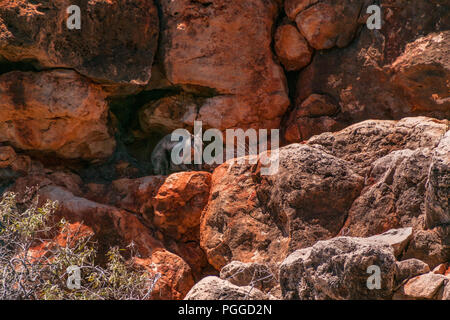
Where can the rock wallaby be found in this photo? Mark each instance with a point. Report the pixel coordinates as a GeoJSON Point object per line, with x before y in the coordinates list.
{"type": "Point", "coordinates": [161, 156]}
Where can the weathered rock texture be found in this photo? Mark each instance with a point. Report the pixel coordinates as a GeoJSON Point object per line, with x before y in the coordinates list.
{"type": "Point", "coordinates": [400, 70]}
{"type": "Point", "coordinates": [327, 23]}
{"type": "Point", "coordinates": [291, 47]}
{"type": "Point", "coordinates": [179, 204]}
{"type": "Point", "coordinates": [410, 268]}
{"type": "Point", "coordinates": [437, 206]}
{"type": "Point", "coordinates": [366, 114]}
{"type": "Point", "coordinates": [56, 112]}
{"type": "Point", "coordinates": [207, 44]}
{"type": "Point", "coordinates": [425, 286]}
{"type": "Point", "coordinates": [337, 269]}
{"type": "Point", "coordinates": [364, 143]}
{"type": "Point", "coordinates": [261, 276]}
{"type": "Point", "coordinates": [281, 213]}
{"type": "Point", "coordinates": [213, 288]}
{"type": "Point", "coordinates": [116, 43]}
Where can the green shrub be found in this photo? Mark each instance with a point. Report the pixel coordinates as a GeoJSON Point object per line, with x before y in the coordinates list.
{"type": "Point", "coordinates": [25, 225]}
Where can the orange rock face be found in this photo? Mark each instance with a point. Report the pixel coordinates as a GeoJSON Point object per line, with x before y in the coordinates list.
{"type": "Point", "coordinates": [7, 156]}
{"type": "Point", "coordinates": [208, 46]}
{"type": "Point", "coordinates": [71, 122]}
{"type": "Point", "coordinates": [176, 277]}
{"type": "Point", "coordinates": [171, 206]}
{"type": "Point", "coordinates": [292, 48]}
{"type": "Point", "coordinates": [326, 24]}
{"type": "Point", "coordinates": [391, 73]}
{"type": "Point", "coordinates": [116, 42]}
{"type": "Point", "coordinates": [117, 227]}
{"type": "Point", "coordinates": [180, 202]}
{"type": "Point", "coordinates": [311, 117]}
{"type": "Point", "coordinates": [82, 110]}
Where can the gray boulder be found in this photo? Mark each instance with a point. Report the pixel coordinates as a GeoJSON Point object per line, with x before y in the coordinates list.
{"type": "Point", "coordinates": [338, 269]}
{"type": "Point", "coordinates": [437, 208]}
{"type": "Point", "coordinates": [410, 268]}
{"type": "Point", "coordinates": [214, 288]}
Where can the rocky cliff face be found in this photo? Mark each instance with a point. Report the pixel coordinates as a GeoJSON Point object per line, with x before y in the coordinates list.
{"type": "Point", "coordinates": [364, 167]}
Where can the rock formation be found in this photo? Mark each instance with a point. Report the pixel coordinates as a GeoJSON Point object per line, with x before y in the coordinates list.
{"type": "Point", "coordinates": [363, 176]}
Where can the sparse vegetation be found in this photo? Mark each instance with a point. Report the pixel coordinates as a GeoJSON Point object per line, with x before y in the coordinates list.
{"type": "Point", "coordinates": [35, 254]}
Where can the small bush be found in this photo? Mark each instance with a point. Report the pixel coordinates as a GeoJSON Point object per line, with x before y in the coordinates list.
{"type": "Point", "coordinates": [47, 272]}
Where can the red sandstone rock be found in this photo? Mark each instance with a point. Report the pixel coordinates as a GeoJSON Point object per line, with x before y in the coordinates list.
{"type": "Point", "coordinates": [252, 218]}
{"type": "Point", "coordinates": [422, 73]}
{"type": "Point", "coordinates": [317, 105]}
{"type": "Point", "coordinates": [7, 156]}
{"type": "Point", "coordinates": [176, 277]}
{"type": "Point", "coordinates": [69, 236]}
{"type": "Point", "coordinates": [294, 7]}
{"type": "Point", "coordinates": [328, 23]}
{"type": "Point", "coordinates": [43, 178]}
{"type": "Point", "coordinates": [169, 113]}
{"type": "Point", "coordinates": [291, 47]}
{"type": "Point", "coordinates": [392, 73]}
{"type": "Point", "coordinates": [303, 128]}
{"type": "Point", "coordinates": [311, 117]}
{"type": "Point", "coordinates": [56, 112]}
{"type": "Point", "coordinates": [179, 204]}
{"type": "Point", "coordinates": [136, 195]}
{"type": "Point", "coordinates": [207, 44]}
{"type": "Point", "coordinates": [171, 205]}
{"type": "Point", "coordinates": [116, 43]}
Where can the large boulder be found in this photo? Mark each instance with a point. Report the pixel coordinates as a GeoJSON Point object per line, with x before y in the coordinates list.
{"type": "Point", "coordinates": [116, 43]}
{"type": "Point", "coordinates": [113, 226]}
{"type": "Point", "coordinates": [392, 73]}
{"type": "Point", "coordinates": [410, 268]}
{"type": "Point", "coordinates": [393, 196]}
{"type": "Point", "coordinates": [327, 23]}
{"type": "Point", "coordinates": [437, 197]}
{"type": "Point", "coordinates": [176, 276]}
{"type": "Point", "coordinates": [431, 246]}
{"type": "Point", "coordinates": [401, 189]}
{"type": "Point", "coordinates": [338, 269]}
{"type": "Point", "coordinates": [55, 112]}
{"type": "Point", "coordinates": [171, 206]}
{"type": "Point", "coordinates": [281, 212]}
{"type": "Point", "coordinates": [363, 143]}
{"type": "Point", "coordinates": [214, 288]}
{"type": "Point", "coordinates": [425, 286]}
{"type": "Point", "coordinates": [208, 46]}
